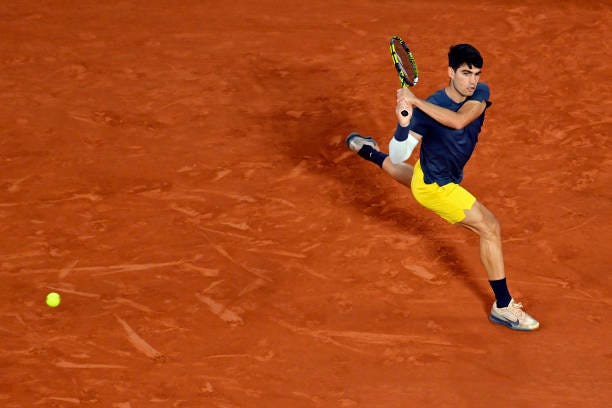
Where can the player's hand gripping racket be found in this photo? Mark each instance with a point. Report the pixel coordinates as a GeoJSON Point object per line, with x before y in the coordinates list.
{"type": "Point", "coordinates": [404, 64]}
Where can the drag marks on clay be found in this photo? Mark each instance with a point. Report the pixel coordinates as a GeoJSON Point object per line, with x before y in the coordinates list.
{"type": "Point", "coordinates": [65, 271]}
{"type": "Point", "coordinates": [105, 270]}
{"type": "Point", "coordinates": [421, 272]}
{"type": "Point", "coordinates": [15, 186]}
{"type": "Point", "coordinates": [278, 252]}
{"type": "Point", "coordinates": [206, 272]}
{"type": "Point", "coordinates": [212, 287]}
{"type": "Point", "coordinates": [68, 364]}
{"type": "Point", "coordinates": [361, 342]}
{"type": "Point", "coordinates": [580, 225]}
{"type": "Point", "coordinates": [265, 358]}
{"type": "Point", "coordinates": [251, 287]}
{"type": "Point", "coordinates": [309, 247]}
{"type": "Point", "coordinates": [572, 290]}
{"type": "Point", "coordinates": [242, 226]}
{"type": "Point", "coordinates": [138, 342]}
{"type": "Point", "coordinates": [234, 196]}
{"type": "Point", "coordinates": [381, 338]}
{"type": "Point", "coordinates": [225, 233]}
{"type": "Point", "coordinates": [219, 310]}
{"type": "Point", "coordinates": [313, 333]}
{"type": "Point", "coordinates": [188, 211]}
{"type": "Point", "coordinates": [69, 400]}
{"type": "Point", "coordinates": [21, 255]}
{"type": "Point", "coordinates": [114, 269]}
{"type": "Point", "coordinates": [555, 281]}
{"type": "Point", "coordinates": [282, 201]}
{"type": "Point", "coordinates": [221, 251]}
{"type": "Point", "coordinates": [204, 197]}
{"type": "Point", "coordinates": [296, 172]}
{"type": "Point", "coordinates": [73, 292]}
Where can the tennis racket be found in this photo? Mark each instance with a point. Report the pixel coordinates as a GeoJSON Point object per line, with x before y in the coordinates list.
{"type": "Point", "coordinates": [404, 64]}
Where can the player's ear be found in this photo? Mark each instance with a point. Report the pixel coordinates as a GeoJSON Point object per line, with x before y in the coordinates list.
{"type": "Point", "coordinates": [451, 72]}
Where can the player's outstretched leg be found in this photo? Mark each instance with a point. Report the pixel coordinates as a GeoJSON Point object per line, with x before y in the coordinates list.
{"type": "Point", "coordinates": [505, 310]}
{"type": "Point", "coordinates": [367, 148]}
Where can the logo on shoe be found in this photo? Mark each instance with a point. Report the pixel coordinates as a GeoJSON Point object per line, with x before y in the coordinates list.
{"type": "Point", "coordinates": [513, 322]}
{"type": "Point", "coordinates": [505, 319]}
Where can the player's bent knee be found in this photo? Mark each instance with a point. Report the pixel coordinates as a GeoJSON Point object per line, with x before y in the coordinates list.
{"type": "Point", "coordinates": [492, 223]}
{"type": "Point", "coordinates": [492, 229]}
{"type": "Point", "coordinates": [496, 226]}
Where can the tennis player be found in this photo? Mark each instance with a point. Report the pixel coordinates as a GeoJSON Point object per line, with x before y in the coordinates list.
{"type": "Point", "coordinates": [448, 124]}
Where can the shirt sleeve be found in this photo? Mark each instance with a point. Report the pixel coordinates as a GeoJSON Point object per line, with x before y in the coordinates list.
{"type": "Point", "coordinates": [418, 122]}
{"type": "Point", "coordinates": [482, 93]}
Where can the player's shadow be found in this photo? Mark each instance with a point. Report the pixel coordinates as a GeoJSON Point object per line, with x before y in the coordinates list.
{"type": "Point", "coordinates": [321, 148]}
{"type": "Point", "coordinates": [447, 254]}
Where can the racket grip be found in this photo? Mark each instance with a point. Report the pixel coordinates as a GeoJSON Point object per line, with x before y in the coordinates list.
{"type": "Point", "coordinates": [404, 113]}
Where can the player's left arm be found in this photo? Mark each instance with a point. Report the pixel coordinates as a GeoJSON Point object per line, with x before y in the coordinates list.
{"type": "Point", "coordinates": [455, 120]}
{"type": "Point", "coordinates": [470, 110]}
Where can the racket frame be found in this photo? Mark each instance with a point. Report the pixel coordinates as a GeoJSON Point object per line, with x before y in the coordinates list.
{"type": "Point", "coordinates": [401, 70]}
{"type": "Point", "coordinates": [399, 66]}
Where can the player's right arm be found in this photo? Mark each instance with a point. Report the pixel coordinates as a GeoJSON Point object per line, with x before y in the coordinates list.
{"type": "Point", "coordinates": [404, 140]}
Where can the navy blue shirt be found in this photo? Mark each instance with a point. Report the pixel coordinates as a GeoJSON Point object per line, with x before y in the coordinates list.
{"type": "Point", "coordinates": [445, 151]}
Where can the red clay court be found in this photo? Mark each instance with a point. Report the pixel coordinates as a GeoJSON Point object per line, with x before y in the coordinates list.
{"type": "Point", "coordinates": [177, 172]}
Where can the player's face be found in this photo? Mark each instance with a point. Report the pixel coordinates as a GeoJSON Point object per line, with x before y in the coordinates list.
{"type": "Point", "coordinates": [464, 79]}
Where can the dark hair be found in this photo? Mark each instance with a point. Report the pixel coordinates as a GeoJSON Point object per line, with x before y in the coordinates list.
{"type": "Point", "coordinates": [460, 54]}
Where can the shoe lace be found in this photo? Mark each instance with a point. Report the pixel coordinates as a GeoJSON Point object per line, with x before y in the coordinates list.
{"type": "Point", "coordinates": [517, 309]}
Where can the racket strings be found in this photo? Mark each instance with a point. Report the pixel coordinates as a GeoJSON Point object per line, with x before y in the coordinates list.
{"type": "Point", "coordinates": [405, 62]}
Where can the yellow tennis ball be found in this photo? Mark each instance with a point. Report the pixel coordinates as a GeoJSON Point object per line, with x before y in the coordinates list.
{"type": "Point", "coordinates": [53, 299]}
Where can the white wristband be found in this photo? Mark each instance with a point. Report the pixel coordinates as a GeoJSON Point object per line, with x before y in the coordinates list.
{"type": "Point", "coordinates": [401, 151]}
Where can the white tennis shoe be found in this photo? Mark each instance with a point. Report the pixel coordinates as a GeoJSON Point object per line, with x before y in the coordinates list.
{"type": "Point", "coordinates": [513, 317]}
{"type": "Point", "coordinates": [355, 142]}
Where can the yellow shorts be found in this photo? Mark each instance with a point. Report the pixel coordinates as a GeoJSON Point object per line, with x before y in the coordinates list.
{"type": "Point", "coordinates": [449, 201]}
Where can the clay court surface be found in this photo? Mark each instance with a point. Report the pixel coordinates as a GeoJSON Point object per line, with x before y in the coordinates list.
{"type": "Point", "coordinates": [177, 172]}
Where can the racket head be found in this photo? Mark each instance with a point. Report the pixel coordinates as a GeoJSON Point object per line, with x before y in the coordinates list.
{"type": "Point", "coordinates": [404, 62]}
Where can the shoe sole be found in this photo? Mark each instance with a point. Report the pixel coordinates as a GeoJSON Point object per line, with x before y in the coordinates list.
{"type": "Point", "coordinates": [354, 135]}
{"type": "Point", "coordinates": [509, 325]}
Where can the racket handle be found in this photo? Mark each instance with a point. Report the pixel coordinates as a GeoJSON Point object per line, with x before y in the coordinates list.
{"type": "Point", "coordinates": [404, 113]}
